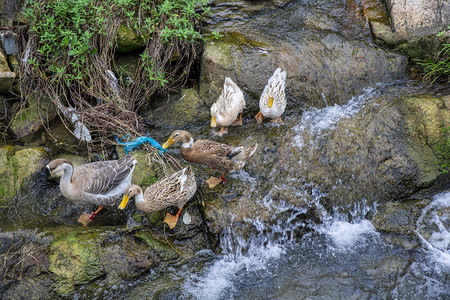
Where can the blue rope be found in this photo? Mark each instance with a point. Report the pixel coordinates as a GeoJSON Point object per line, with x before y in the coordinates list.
{"type": "Point", "coordinates": [137, 142]}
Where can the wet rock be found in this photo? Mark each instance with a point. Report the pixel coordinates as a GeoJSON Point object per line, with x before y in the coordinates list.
{"type": "Point", "coordinates": [122, 256]}
{"type": "Point", "coordinates": [165, 252]}
{"type": "Point", "coordinates": [37, 288]}
{"type": "Point", "coordinates": [29, 120]}
{"type": "Point", "coordinates": [23, 255]}
{"type": "Point", "coordinates": [323, 66]}
{"type": "Point", "coordinates": [74, 260]}
{"type": "Point", "coordinates": [15, 167]}
{"type": "Point", "coordinates": [180, 111]}
{"type": "Point", "coordinates": [385, 152]}
{"type": "Point", "coordinates": [399, 217]}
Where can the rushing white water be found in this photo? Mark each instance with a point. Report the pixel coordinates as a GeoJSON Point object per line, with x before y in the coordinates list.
{"type": "Point", "coordinates": [437, 242]}
{"type": "Point", "coordinates": [343, 257]}
{"type": "Point", "coordinates": [314, 120]}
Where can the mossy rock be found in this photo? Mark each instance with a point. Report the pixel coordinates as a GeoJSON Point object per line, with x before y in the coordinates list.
{"type": "Point", "coordinates": [165, 252]}
{"type": "Point", "coordinates": [74, 260]}
{"type": "Point", "coordinates": [125, 257]}
{"type": "Point", "coordinates": [29, 120]}
{"type": "Point", "coordinates": [6, 76]}
{"type": "Point", "coordinates": [128, 39]}
{"type": "Point", "coordinates": [15, 166]}
{"type": "Point", "coordinates": [399, 217]}
{"type": "Point", "coordinates": [180, 111]}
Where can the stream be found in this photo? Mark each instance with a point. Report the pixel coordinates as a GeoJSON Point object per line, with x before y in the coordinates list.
{"type": "Point", "coordinates": [341, 257]}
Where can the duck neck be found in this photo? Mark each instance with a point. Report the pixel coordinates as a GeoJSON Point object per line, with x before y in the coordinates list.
{"type": "Point", "coordinates": [66, 177]}
{"type": "Point", "coordinates": [188, 144]}
{"type": "Point", "coordinates": [65, 183]}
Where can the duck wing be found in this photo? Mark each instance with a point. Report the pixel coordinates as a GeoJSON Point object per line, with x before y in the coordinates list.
{"type": "Point", "coordinates": [104, 176]}
{"type": "Point", "coordinates": [212, 148]}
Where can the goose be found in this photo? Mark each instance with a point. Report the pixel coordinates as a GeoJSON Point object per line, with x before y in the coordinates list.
{"type": "Point", "coordinates": [99, 183]}
{"type": "Point", "coordinates": [215, 155]}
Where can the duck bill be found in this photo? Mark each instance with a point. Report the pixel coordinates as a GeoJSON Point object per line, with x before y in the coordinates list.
{"type": "Point", "coordinates": [124, 202]}
{"type": "Point", "coordinates": [213, 121]}
{"type": "Point", "coordinates": [270, 103]}
{"type": "Point", "coordinates": [167, 144]}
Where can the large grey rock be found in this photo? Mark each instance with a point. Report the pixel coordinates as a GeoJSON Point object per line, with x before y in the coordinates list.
{"type": "Point", "coordinates": [418, 18]}
{"type": "Point", "coordinates": [324, 63]}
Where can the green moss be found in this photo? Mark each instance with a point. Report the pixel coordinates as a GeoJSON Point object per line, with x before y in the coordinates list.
{"type": "Point", "coordinates": [164, 250]}
{"type": "Point", "coordinates": [74, 261]}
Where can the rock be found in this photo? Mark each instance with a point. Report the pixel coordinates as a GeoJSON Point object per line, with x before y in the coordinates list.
{"type": "Point", "coordinates": [250, 51]}
{"type": "Point", "coordinates": [6, 76]}
{"type": "Point", "coordinates": [30, 288]}
{"type": "Point", "coordinates": [380, 154]}
{"type": "Point", "coordinates": [30, 119]}
{"type": "Point", "coordinates": [74, 260]}
{"type": "Point", "coordinates": [10, 12]}
{"type": "Point", "coordinates": [165, 252]}
{"type": "Point", "coordinates": [125, 258]}
{"type": "Point", "coordinates": [128, 39]}
{"type": "Point", "coordinates": [399, 217]}
{"type": "Point", "coordinates": [15, 166]}
{"type": "Point", "coordinates": [180, 111]}
{"type": "Point", "coordinates": [414, 26]}
{"type": "Point", "coordinates": [418, 18]}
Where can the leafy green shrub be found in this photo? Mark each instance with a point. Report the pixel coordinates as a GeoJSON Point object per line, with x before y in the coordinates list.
{"type": "Point", "coordinates": [70, 55]}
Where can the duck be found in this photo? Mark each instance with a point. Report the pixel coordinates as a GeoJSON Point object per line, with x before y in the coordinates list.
{"type": "Point", "coordinates": [213, 154]}
{"type": "Point", "coordinates": [100, 183]}
{"type": "Point", "coordinates": [225, 111]}
{"type": "Point", "coordinates": [273, 99]}
{"type": "Point", "coordinates": [171, 190]}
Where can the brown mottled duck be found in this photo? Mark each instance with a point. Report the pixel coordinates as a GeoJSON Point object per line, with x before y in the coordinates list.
{"type": "Point", "coordinates": [215, 155]}
{"type": "Point", "coordinates": [171, 190]}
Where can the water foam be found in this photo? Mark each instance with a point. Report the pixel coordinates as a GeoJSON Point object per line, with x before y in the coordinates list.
{"type": "Point", "coordinates": [345, 235]}
{"type": "Point", "coordinates": [317, 120]}
{"type": "Point", "coordinates": [434, 217]}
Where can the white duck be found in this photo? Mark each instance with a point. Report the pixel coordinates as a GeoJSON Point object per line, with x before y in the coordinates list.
{"type": "Point", "coordinates": [273, 99]}
{"type": "Point", "coordinates": [100, 183]}
{"type": "Point", "coordinates": [225, 111]}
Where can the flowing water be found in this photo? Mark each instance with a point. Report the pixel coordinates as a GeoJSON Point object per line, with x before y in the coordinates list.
{"type": "Point", "coordinates": [341, 257]}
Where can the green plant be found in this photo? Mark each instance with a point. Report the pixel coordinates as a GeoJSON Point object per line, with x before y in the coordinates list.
{"type": "Point", "coordinates": [442, 151]}
{"type": "Point", "coordinates": [438, 68]}
{"type": "Point", "coordinates": [71, 46]}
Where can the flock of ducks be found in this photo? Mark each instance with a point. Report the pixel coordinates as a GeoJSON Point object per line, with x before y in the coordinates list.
{"type": "Point", "coordinates": [102, 183]}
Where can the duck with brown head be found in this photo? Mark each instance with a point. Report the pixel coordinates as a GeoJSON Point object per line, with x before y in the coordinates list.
{"type": "Point", "coordinates": [215, 155]}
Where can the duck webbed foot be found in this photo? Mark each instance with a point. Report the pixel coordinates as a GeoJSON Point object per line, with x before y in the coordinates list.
{"type": "Point", "coordinates": [221, 132]}
{"type": "Point", "coordinates": [259, 118]}
{"type": "Point", "coordinates": [172, 220]}
{"type": "Point", "coordinates": [85, 219]}
{"type": "Point", "coordinates": [213, 181]}
{"type": "Point", "coordinates": [238, 121]}
{"type": "Point", "coordinates": [277, 120]}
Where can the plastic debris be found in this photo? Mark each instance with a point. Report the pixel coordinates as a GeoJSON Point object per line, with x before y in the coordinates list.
{"type": "Point", "coordinates": [187, 218]}
{"type": "Point", "coordinates": [137, 142]}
